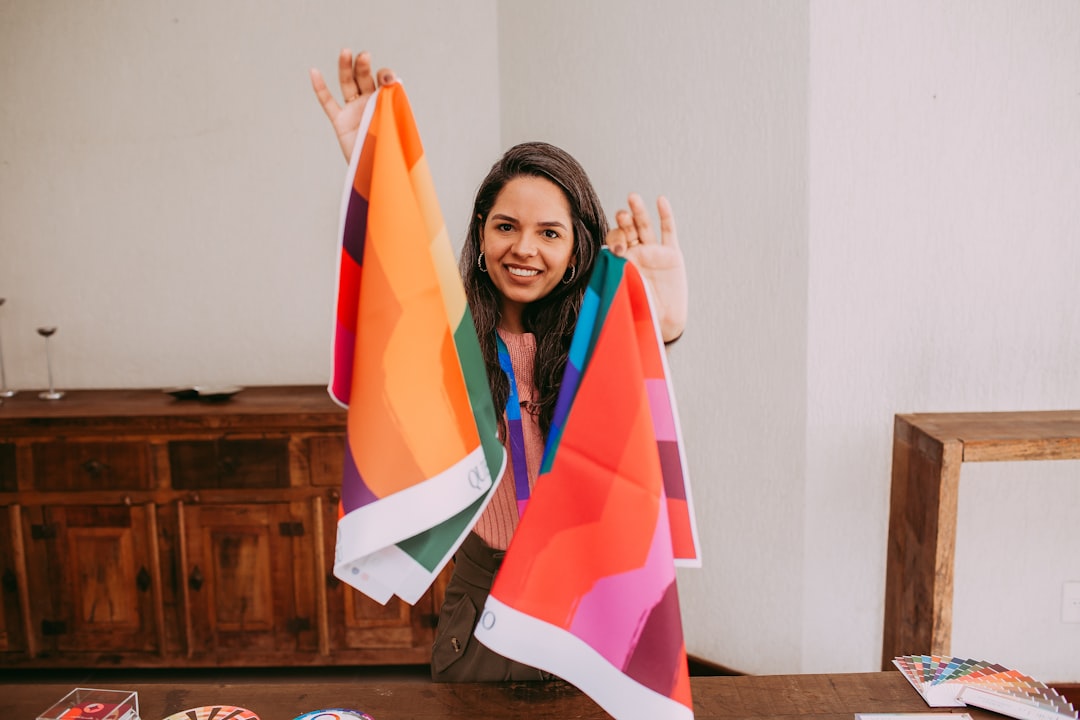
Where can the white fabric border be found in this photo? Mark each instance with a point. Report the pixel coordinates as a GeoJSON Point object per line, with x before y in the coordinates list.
{"type": "Point", "coordinates": [365, 556]}
{"type": "Point", "coordinates": [528, 640]}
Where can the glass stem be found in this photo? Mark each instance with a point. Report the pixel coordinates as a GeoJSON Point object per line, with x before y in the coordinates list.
{"type": "Point", "coordinates": [48, 364]}
{"type": "Point", "coordinates": [3, 377]}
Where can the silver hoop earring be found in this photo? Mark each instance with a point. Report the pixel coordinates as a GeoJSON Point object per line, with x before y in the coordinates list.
{"type": "Point", "coordinates": [480, 263]}
{"type": "Point", "coordinates": [573, 272]}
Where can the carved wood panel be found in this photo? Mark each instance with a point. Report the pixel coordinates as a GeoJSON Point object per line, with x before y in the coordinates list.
{"type": "Point", "coordinates": [249, 577]}
{"type": "Point", "coordinates": [90, 578]}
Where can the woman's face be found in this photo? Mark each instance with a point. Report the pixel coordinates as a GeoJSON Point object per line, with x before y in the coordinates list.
{"type": "Point", "coordinates": [528, 243]}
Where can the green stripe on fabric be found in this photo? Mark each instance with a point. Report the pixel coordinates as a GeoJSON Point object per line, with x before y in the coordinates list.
{"type": "Point", "coordinates": [476, 382]}
{"type": "Point", "coordinates": [429, 548]}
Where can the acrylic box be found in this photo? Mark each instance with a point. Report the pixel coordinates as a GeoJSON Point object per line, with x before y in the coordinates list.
{"type": "Point", "coordinates": [94, 704]}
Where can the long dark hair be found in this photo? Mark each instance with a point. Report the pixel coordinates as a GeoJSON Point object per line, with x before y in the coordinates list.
{"type": "Point", "coordinates": [552, 318]}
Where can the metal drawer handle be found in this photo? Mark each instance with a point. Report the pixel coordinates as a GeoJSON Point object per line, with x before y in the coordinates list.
{"type": "Point", "coordinates": [195, 580]}
{"type": "Point", "coordinates": [142, 580]}
{"type": "Point", "coordinates": [94, 467]}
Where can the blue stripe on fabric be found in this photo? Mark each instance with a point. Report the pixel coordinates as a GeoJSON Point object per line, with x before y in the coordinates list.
{"type": "Point", "coordinates": [579, 345]}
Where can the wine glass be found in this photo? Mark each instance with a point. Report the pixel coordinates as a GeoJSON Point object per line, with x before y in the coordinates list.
{"type": "Point", "coordinates": [5, 392]}
{"type": "Point", "coordinates": [51, 393]}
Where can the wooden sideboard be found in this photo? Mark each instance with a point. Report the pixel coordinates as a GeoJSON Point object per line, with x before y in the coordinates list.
{"type": "Point", "coordinates": [140, 530]}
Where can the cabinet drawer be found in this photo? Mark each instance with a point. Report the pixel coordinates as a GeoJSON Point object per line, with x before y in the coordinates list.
{"type": "Point", "coordinates": [91, 466]}
{"type": "Point", "coordinates": [8, 482]}
{"type": "Point", "coordinates": [326, 455]}
{"type": "Point", "coordinates": [229, 464]}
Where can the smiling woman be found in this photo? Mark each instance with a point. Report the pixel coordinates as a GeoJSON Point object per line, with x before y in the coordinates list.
{"type": "Point", "coordinates": [534, 235]}
{"type": "Point", "coordinates": [527, 246]}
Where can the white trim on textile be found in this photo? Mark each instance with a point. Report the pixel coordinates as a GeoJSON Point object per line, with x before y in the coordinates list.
{"type": "Point", "coordinates": [528, 640]}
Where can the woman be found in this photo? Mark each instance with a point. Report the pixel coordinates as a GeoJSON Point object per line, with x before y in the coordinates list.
{"type": "Point", "coordinates": [534, 235]}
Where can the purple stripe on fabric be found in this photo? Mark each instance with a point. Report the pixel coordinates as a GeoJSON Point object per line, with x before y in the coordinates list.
{"type": "Point", "coordinates": [659, 640]}
{"type": "Point", "coordinates": [355, 232]}
{"type": "Point", "coordinates": [354, 491]}
{"type": "Point", "coordinates": [672, 470]}
{"type": "Point", "coordinates": [344, 356]}
{"type": "Point", "coordinates": [660, 405]}
{"type": "Point", "coordinates": [521, 467]}
{"type": "Point", "coordinates": [571, 379]}
{"type": "Point", "coordinates": [660, 646]}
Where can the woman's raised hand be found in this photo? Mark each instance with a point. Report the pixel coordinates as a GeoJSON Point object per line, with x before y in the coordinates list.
{"type": "Point", "coordinates": [658, 258]}
{"type": "Point", "coordinates": [357, 86]}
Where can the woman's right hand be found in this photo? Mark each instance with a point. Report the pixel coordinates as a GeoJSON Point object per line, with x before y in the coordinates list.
{"type": "Point", "coordinates": [357, 86]}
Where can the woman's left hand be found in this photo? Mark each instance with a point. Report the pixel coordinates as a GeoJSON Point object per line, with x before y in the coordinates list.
{"type": "Point", "coordinates": [659, 259]}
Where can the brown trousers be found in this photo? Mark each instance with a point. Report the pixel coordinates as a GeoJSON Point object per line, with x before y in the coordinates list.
{"type": "Point", "coordinates": [457, 656]}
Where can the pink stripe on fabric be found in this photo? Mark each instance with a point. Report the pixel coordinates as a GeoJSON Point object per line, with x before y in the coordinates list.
{"type": "Point", "coordinates": [660, 404]}
{"type": "Point", "coordinates": [613, 612]}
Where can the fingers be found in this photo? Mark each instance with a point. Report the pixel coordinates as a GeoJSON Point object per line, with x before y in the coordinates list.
{"type": "Point", "coordinates": [616, 241]}
{"type": "Point", "coordinates": [356, 77]}
{"type": "Point", "coordinates": [624, 235]}
{"type": "Point", "coordinates": [625, 222]}
{"type": "Point", "coordinates": [366, 81]}
{"type": "Point", "coordinates": [347, 75]}
{"type": "Point", "coordinates": [363, 80]}
{"type": "Point", "coordinates": [633, 227]}
{"type": "Point", "coordinates": [326, 99]}
{"type": "Point", "coordinates": [642, 225]}
{"type": "Point", "coordinates": [668, 236]}
{"type": "Point", "coordinates": [386, 77]}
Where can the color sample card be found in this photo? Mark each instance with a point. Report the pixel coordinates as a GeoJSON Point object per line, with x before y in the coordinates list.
{"type": "Point", "coordinates": [956, 682]}
{"type": "Point", "coordinates": [912, 716]}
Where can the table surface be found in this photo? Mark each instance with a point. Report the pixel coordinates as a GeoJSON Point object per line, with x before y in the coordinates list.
{"type": "Point", "coordinates": [825, 697]}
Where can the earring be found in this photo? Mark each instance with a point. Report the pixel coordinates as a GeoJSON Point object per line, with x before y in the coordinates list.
{"type": "Point", "coordinates": [480, 263]}
{"type": "Point", "coordinates": [573, 272]}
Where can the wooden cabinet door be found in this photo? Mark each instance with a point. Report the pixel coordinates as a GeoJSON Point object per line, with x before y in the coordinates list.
{"type": "Point", "coordinates": [12, 628]}
{"type": "Point", "coordinates": [250, 582]}
{"type": "Point", "coordinates": [90, 571]}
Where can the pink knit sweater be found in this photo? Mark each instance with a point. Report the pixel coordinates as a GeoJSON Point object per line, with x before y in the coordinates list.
{"type": "Point", "coordinates": [499, 520]}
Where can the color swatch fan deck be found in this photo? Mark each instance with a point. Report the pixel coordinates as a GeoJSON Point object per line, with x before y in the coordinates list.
{"type": "Point", "coordinates": [956, 682]}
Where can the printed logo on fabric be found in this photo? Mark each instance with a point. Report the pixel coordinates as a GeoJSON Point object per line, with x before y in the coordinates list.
{"type": "Point", "coordinates": [479, 477]}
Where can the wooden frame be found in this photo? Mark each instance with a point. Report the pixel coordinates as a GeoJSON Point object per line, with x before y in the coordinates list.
{"type": "Point", "coordinates": [928, 450]}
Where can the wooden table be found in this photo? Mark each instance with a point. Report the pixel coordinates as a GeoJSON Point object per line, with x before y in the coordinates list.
{"type": "Point", "coordinates": [825, 697]}
{"type": "Point", "coordinates": [928, 450]}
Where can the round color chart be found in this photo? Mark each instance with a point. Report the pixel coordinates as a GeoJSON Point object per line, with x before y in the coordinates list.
{"type": "Point", "coordinates": [214, 712]}
{"type": "Point", "coordinates": [334, 714]}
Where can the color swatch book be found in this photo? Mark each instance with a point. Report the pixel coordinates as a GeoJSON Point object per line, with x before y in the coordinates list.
{"type": "Point", "coordinates": [955, 682]}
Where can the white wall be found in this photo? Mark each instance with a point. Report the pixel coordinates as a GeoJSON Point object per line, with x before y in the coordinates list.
{"type": "Point", "coordinates": [706, 103]}
{"type": "Point", "coordinates": [877, 203]}
{"type": "Point", "coordinates": [943, 272]}
{"type": "Point", "coordinates": [169, 186]}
